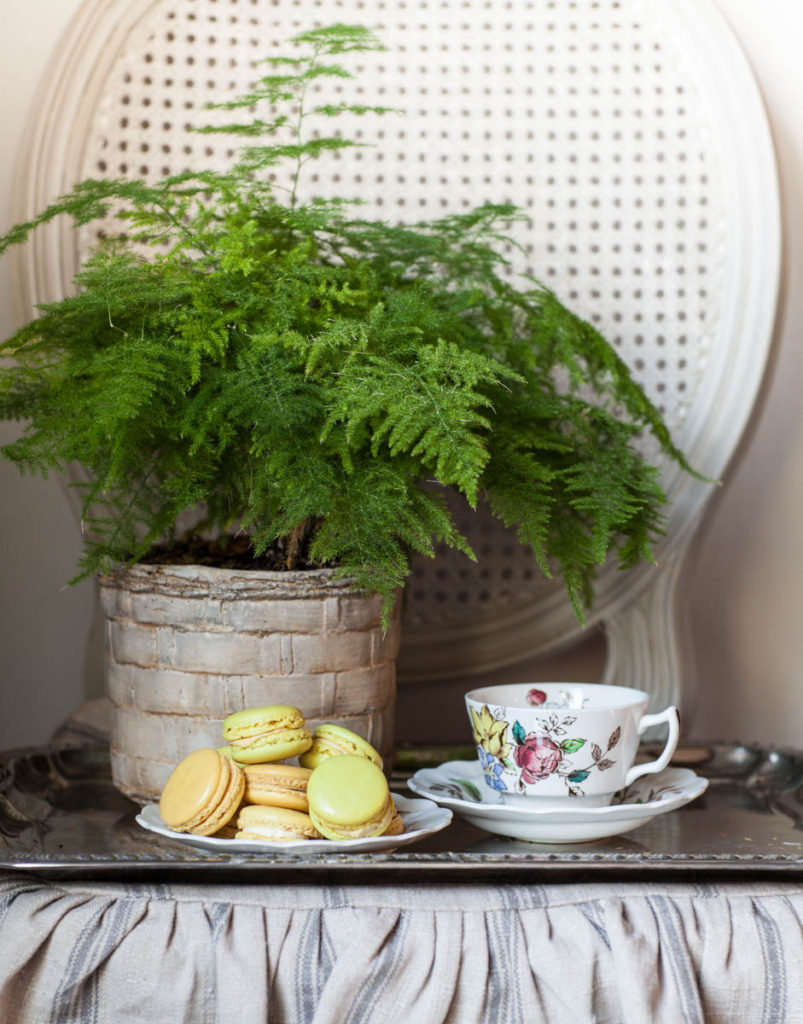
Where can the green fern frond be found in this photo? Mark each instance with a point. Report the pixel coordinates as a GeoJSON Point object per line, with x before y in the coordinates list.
{"type": "Point", "coordinates": [274, 364]}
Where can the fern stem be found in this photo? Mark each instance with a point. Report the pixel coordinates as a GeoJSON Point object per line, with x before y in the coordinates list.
{"type": "Point", "coordinates": [122, 517]}
{"type": "Point", "coordinates": [297, 542]}
{"type": "Point", "coordinates": [299, 123]}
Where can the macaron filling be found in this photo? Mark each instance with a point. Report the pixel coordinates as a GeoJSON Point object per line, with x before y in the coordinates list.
{"type": "Point", "coordinates": [328, 748]}
{"type": "Point", "coordinates": [274, 824]}
{"type": "Point", "coordinates": [271, 834]}
{"type": "Point", "coordinates": [262, 739]}
{"type": "Point", "coordinates": [245, 726]}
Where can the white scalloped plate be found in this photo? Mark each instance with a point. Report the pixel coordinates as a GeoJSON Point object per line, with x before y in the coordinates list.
{"type": "Point", "coordinates": [461, 786]}
{"type": "Point", "coordinates": [421, 818]}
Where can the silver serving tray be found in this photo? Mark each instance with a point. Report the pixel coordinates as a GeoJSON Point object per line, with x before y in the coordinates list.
{"type": "Point", "coordinates": [61, 817]}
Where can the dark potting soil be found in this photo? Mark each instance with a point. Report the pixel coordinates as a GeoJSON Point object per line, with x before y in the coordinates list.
{"type": "Point", "coordinates": [229, 553]}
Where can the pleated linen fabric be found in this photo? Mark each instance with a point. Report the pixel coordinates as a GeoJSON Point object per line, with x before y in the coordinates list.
{"type": "Point", "coordinates": [98, 953]}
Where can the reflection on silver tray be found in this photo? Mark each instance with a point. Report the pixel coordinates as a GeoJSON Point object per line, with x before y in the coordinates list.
{"type": "Point", "coordinates": [61, 817]}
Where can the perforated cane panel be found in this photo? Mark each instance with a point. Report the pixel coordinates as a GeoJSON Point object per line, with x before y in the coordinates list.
{"type": "Point", "coordinates": [584, 114]}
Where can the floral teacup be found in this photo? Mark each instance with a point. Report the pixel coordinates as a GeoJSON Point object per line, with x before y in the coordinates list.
{"type": "Point", "coordinates": [564, 741]}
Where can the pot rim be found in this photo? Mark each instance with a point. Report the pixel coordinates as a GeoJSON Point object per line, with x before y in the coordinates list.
{"type": "Point", "coordinates": [211, 581]}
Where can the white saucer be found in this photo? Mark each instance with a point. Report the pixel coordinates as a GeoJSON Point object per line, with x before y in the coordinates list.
{"type": "Point", "coordinates": [461, 786]}
{"type": "Point", "coordinates": [420, 818]}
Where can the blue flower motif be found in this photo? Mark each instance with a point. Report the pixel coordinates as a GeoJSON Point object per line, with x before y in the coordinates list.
{"type": "Point", "coordinates": [492, 769]}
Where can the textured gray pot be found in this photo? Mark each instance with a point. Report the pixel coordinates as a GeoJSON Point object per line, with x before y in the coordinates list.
{"type": "Point", "coordinates": [188, 645]}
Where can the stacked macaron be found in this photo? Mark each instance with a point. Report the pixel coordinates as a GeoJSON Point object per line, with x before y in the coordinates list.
{"type": "Point", "coordinates": [330, 740]}
{"type": "Point", "coordinates": [338, 790]}
{"type": "Point", "coordinates": [259, 735]}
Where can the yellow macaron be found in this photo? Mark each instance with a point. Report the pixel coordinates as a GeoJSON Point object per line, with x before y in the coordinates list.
{"type": "Point", "coordinates": [270, 733]}
{"type": "Point", "coordinates": [274, 824]}
{"type": "Point", "coordinates": [330, 740]}
{"type": "Point", "coordinates": [396, 826]}
{"type": "Point", "coordinates": [349, 798]}
{"type": "Point", "coordinates": [202, 793]}
{"type": "Point", "coordinates": [276, 785]}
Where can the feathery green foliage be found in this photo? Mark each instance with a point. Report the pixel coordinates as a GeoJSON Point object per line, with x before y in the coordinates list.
{"type": "Point", "coordinates": [293, 369]}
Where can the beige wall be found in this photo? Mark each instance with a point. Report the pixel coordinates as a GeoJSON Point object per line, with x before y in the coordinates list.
{"type": "Point", "coordinates": [743, 587]}
{"type": "Point", "coordinates": [745, 584]}
{"type": "Point", "coordinates": [43, 626]}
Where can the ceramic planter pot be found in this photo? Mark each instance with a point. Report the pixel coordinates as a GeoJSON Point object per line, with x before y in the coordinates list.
{"type": "Point", "coordinates": [188, 645]}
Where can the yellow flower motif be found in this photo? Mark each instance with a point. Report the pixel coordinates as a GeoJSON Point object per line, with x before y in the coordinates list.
{"type": "Point", "coordinates": [489, 732]}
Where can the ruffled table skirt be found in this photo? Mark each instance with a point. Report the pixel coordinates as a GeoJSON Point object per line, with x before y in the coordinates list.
{"type": "Point", "coordinates": [211, 954]}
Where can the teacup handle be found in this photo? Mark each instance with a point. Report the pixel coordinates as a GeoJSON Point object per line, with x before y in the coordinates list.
{"type": "Point", "coordinates": [670, 716]}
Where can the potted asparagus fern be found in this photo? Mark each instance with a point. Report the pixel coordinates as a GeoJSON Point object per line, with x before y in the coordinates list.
{"type": "Point", "coordinates": [288, 374]}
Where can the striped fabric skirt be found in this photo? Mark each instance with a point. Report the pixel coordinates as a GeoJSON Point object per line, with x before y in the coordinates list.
{"type": "Point", "coordinates": [204, 954]}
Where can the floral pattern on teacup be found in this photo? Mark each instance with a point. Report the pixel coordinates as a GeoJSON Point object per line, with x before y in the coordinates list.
{"type": "Point", "coordinates": [492, 769]}
{"type": "Point", "coordinates": [489, 733]}
{"type": "Point", "coordinates": [565, 699]}
{"type": "Point", "coordinates": [546, 751]}
{"type": "Point", "coordinates": [651, 795]}
{"type": "Point", "coordinates": [538, 756]}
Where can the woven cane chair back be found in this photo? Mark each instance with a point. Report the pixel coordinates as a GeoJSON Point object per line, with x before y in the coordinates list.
{"type": "Point", "coordinates": [630, 132]}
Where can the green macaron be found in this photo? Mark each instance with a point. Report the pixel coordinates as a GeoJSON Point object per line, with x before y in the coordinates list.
{"type": "Point", "coordinates": [270, 733]}
{"type": "Point", "coordinates": [330, 740]}
{"type": "Point", "coordinates": [348, 798]}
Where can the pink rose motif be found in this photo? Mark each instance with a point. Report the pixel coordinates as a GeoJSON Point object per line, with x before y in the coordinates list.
{"type": "Point", "coordinates": [538, 757]}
